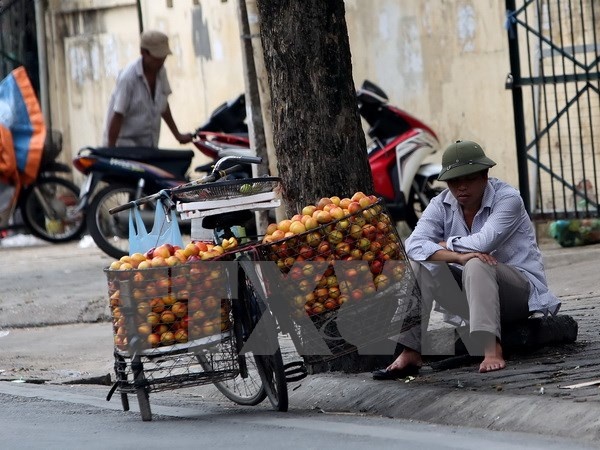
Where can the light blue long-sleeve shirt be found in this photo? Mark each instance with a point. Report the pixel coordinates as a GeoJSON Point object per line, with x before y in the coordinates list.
{"type": "Point", "coordinates": [501, 228]}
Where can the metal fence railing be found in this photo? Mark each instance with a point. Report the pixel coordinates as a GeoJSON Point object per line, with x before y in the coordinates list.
{"type": "Point", "coordinates": [555, 75]}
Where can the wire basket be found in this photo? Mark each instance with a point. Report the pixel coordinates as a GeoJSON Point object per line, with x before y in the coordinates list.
{"type": "Point", "coordinates": [178, 370]}
{"type": "Point", "coordinates": [225, 190]}
{"type": "Point", "coordinates": [177, 319]}
{"type": "Point", "coordinates": [343, 287]}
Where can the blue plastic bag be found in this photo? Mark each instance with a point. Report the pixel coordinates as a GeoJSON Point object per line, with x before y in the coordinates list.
{"type": "Point", "coordinates": [163, 231]}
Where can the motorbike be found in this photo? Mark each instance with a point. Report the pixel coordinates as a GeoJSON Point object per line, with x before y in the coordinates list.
{"type": "Point", "coordinates": [396, 154]}
{"type": "Point", "coordinates": [34, 194]}
{"type": "Point", "coordinates": [48, 204]}
{"type": "Point", "coordinates": [225, 134]}
{"type": "Point", "coordinates": [46, 207]}
{"type": "Point", "coordinates": [115, 176]}
{"type": "Point", "coordinates": [399, 146]}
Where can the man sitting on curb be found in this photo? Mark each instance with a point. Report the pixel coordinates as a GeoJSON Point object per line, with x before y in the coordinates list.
{"type": "Point", "coordinates": [478, 229]}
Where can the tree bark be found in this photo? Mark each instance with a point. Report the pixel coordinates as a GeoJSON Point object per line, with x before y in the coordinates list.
{"type": "Point", "coordinates": [319, 142]}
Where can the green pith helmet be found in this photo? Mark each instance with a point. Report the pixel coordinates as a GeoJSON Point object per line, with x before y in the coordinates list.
{"type": "Point", "coordinates": [463, 158]}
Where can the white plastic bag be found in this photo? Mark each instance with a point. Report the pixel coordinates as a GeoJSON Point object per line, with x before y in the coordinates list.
{"type": "Point", "coordinates": [163, 231]}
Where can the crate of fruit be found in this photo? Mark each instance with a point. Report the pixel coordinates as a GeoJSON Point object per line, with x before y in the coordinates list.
{"type": "Point", "coordinates": [338, 276]}
{"type": "Point", "coordinates": [169, 306]}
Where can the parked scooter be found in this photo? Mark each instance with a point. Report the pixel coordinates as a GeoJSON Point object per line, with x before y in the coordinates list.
{"type": "Point", "coordinates": [46, 207]}
{"type": "Point", "coordinates": [33, 194]}
{"type": "Point", "coordinates": [225, 134]}
{"type": "Point", "coordinates": [115, 176]}
{"type": "Point", "coordinates": [400, 143]}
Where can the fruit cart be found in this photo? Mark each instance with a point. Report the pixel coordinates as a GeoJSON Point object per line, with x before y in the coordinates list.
{"type": "Point", "coordinates": [336, 278]}
{"type": "Point", "coordinates": [183, 320]}
{"type": "Point", "coordinates": [337, 282]}
{"type": "Point", "coordinates": [170, 330]}
{"type": "Point", "coordinates": [343, 286]}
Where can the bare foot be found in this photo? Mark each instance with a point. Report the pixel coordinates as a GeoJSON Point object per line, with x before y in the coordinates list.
{"type": "Point", "coordinates": [407, 358]}
{"type": "Point", "coordinates": [492, 359]}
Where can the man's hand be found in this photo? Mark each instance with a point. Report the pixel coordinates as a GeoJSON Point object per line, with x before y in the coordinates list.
{"type": "Point", "coordinates": [184, 138]}
{"type": "Point", "coordinates": [449, 256]}
{"type": "Point", "coordinates": [488, 259]}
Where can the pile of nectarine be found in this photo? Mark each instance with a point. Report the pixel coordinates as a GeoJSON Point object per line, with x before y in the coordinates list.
{"type": "Point", "coordinates": [352, 239]}
{"type": "Point", "coordinates": [169, 295]}
{"type": "Point", "coordinates": [167, 255]}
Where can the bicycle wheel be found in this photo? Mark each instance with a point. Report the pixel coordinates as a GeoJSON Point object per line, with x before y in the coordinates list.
{"type": "Point", "coordinates": [418, 202]}
{"type": "Point", "coordinates": [144, 403]}
{"type": "Point", "coordinates": [272, 373]}
{"type": "Point", "coordinates": [48, 207]}
{"type": "Point", "coordinates": [110, 232]}
{"type": "Point", "coordinates": [141, 389]}
{"type": "Point", "coordinates": [270, 367]}
{"type": "Point", "coordinates": [247, 387]}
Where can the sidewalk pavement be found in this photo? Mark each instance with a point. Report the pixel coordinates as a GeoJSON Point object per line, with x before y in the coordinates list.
{"type": "Point", "coordinates": [530, 395]}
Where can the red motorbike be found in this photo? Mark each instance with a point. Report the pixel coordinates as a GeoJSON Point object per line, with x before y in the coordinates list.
{"type": "Point", "coordinates": [399, 145]}
{"type": "Point", "coordinates": [225, 134]}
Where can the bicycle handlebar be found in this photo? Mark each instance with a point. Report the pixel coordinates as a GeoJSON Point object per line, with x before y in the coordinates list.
{"type": "Point", "coordinates": [239, 159]}
{"type": "Point", "coordinates": [164, 194]}
{"type": "Point", "coordinates": [139, 201]}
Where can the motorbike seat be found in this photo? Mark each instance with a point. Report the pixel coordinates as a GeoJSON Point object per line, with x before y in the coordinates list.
{"type": "Point", "coordinates": [143, 154]}
{"type": "Point", "coordinates": [174, 161]}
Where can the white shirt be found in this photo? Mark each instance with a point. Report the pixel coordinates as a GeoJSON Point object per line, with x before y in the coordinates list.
{"type": "Point", "coordinates": [141, 113]}
{"type": "Point", "coordinates": [501, 228]}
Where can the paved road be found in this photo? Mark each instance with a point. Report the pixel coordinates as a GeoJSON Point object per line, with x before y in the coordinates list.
{"type": "Point", "coordinates": [64, 284]}
{"type": "Point", "coordinates": [185, 422]}
{"type": "Point", "coordinates": [49, 284]}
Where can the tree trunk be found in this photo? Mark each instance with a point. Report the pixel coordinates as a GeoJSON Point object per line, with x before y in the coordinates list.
{"type": "Point", "coordinates": [319, 142]}
{"type": "Point", "coordinates": [317, 132]}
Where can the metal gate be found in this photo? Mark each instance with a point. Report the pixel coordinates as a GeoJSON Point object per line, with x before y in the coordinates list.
{"type": "Point", "coordinates": [18, 44]}
{"type": "Point", "coordinates": [555, 73]}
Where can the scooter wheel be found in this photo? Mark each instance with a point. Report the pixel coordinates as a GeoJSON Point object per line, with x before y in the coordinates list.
{"type": "Point", "coordinates": [48, 210]}
{"type": "Point", "coordinates": [110, 232]}
{"type": "Point", "coordinates": [418, 202]}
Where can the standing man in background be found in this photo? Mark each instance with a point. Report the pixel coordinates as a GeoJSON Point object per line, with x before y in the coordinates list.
{"type": "Point", "coordinates": [140, 98]}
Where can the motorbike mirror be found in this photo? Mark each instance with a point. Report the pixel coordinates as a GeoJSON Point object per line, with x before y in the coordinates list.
{"type": "Point", "coordinates": [369, 92]}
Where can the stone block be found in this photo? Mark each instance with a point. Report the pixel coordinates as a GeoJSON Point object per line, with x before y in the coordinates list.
{"type": "Point", "coordinates": [518, 337]}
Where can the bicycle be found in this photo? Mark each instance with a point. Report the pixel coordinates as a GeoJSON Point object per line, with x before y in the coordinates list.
{"type": "Point", "coordinates": [238, 372]}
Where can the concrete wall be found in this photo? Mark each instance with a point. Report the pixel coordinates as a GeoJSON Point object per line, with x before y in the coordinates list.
{"type": "Point", "coordinates": [88, 44]}
{"type": "Point", "coordinates": [91, 41]}
{"type": "Point", "coordinates": [444, 61]}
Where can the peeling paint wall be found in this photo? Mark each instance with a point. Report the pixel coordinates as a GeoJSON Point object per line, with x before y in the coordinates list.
{"type": "Point", "coordinates": [445, 61]}
{"type": "Point", "coordinates": [91, 41]}
{"type": "Point", "coordinates": [201, 35]}
{"type": "Point", "coordinates": [85, 51]}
